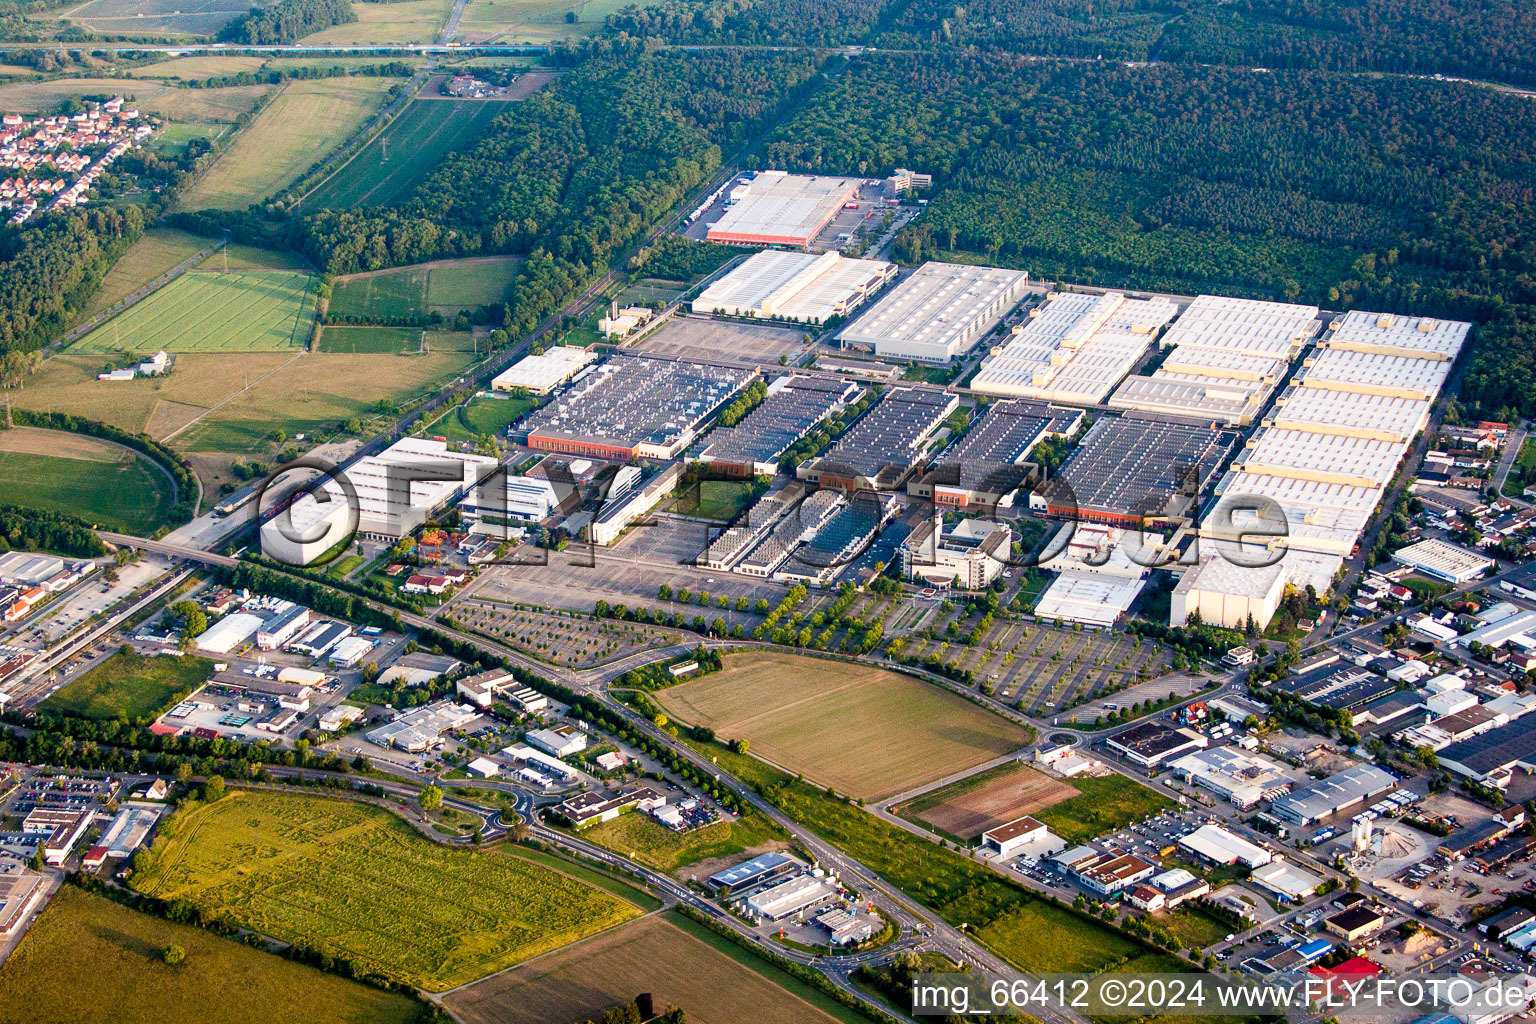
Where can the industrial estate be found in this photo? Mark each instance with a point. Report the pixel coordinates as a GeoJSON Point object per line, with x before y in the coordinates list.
{"type": "Point", "coordinates": [532, 514]}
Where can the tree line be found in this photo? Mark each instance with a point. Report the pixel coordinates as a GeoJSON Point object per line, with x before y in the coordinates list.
{"type": "Point", "coordinates": [287, 21]}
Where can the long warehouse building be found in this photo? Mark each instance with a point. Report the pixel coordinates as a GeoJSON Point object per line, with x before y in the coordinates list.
{"type": "Point", "coordinates": [781, 285]}
{"type": "Point", "coordinates": [777, 208]}
{"type": "Point", "coordinates": [1226, 357]}
{"type": "Point", "coordinates": [1074, 348]}
{"type": "Point", "coordinates": [1305, 487]}
{"type": "Point", "coordinates": [634, 406]}
{"type": "Point", "coordinates": [793, 407]}
{"type": "Point", "coordinates": [938, 313]}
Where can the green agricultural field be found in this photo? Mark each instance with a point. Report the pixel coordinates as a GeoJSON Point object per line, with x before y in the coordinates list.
{"type": "Point", "coordinates": [640, 837]}
{"type": "Point", "coordinates": [358, 881]}
{"type": "Point", "coordinates": [173, 138]}
{"type": "Point", "coordinates": [89, 960]}
{"type": "Point", "coordinates": [242, 311]}
{"type": "Point", "coordinates": [468, 284]}
{"type": "Point", "coordinates": [164, 17]}
{"type": "Point", "coordinates": [395, 162]}
{"type": "Point", "coordinates": [1106, 803]}
{"type": "Point", "coordinates": [398, 296]}
{"type": "Point", "coordinates": [483, 415]}
{"type": "Point", "coordinates": [533, 21]}
{"type": "Point", "coordinates": [131, 686]}
{"type": "Point", "coordinates": [862, 730]}
{"type": "Point", "coordinates": [375, 340]}
{"type": "Point", "coordinates": [83, 476]}
{"type": "Point", "coordinates": [301, 124]}
{"type": "Point", "coordinates": [400, 21]}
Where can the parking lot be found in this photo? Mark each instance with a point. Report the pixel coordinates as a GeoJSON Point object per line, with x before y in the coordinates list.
{"type": "Point", "coordinates": [85, 599]}
{"type": "Point", "coordinates": [715, 341]}
{"type": "Point", "coordinates": [630, 573]}
{"type": "Point", "coordinates": [559, 639]}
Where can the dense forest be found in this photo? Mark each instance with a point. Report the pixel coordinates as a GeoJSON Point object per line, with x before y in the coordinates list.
{"type": "Point", "coordinates": [1488, 39]}
{"type": "Point", "coordinates": [742, 22]}
{"type": "Point", "coordinates": [287, 21]}
{"type": "Point", "coordinates": [1475, 38]}
{"type": "Point", "coordinates": [1398, 194]}
{"type": "Point", "coordinates": [48, 270]}
{"type": "Point", "coordinates": [573, 175]}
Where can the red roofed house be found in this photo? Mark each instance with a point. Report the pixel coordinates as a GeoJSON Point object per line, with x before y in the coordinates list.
{"type": "Point", "coordinates": [95, 857]}
{"type": "Point", "coordinates": [1352, 970]}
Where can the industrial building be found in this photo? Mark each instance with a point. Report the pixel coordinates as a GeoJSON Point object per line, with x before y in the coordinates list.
{"type": "Point", "coordinates": [21, 892]}
{"type": "Point", "coordinates": [416, 731]}
{"type": "Point", "coordinates": [1236, 775]}
{"type": "Point", "coordinates": [562, 741]}
{"type": "Point", "coordinates": [788, 532]}
{"type": "Point", "coordinates": [985, 466]}
{"type": "Point", "coordinates": [1103, 873]}
{"type": "Point", "coordinates": [969, 556]}
{"type": "Point", "coordinates": [836, 544]}
{"type": "Point", "coordinates": [631, 496]}
{"type": "Point", "coordinates": [798, 286]}
{"type": "Point", "coordinates": [1444, 561]}
{"type": "Point", "coordinates": [1097, 580]}
{"type": "Point", "coordinates": [1073, 348]}
{"type": "Point", "coordinates": [793, 406]}
{"type": "Point", "coordinates": [229, 632]}
{"type": "Point", "coordinates": [1349, 413]}
{"type": "Point", "coordinates": [1007, 839]}
{"type": "Point", "coordinates": [396, 491]}
{"type": "Point", "coordinates": [1286, 880]}
{"type": "Point", "coordinates": [1226, 593]}
{"type": "Point", "coordinates": [777, 208]}
{"type": "Point", "coordinates": [128, 830]}
{"type": "Point", "coordinates": [937, 313]}
{"type": "Point", "coordinates": [1334, 795]}
{"type": "Point", "coordinates": [1372, 373]}
{"type": "Point", "coordinates": [1326, 458]}
{"type": "Point", "coordinates": [1221, 847]}
{"type": "Point", "coordinates": [419, 667]}
{"type": "Point", "coordinates": [1151, 743]}
{"type": "Point", "coordinates": [1492, 756]}
{"type": "Point", "coordinates": [725, 550]}
{"type": "Point", "coordinates": [1128, 468]}
{"type": "Point", "coordinates": [790, 897]}
{"type": "Point", "coordinates": [1345, 689]}
{"type": "Point", "coordinates": [555, 483]}
{"type": "Point", "coordinates": [1388, 334]}
{"type": "Point", "coordinates": [633, 406]}
{"type": "Point", "coordinates": [541, 374]}
{"type": "Point", "coordinates": [1325, 455]}
{"type": "Point", "coordinates": [1357, 922]}
{"type": "Point", "coordinates": [757, 871]}
{"type": "Point", "coordinates": [881, 450]}
{"type": "Point", "coordinates": [1226, 356]}
{"type": "Point", "coordinates": [281, 626]}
